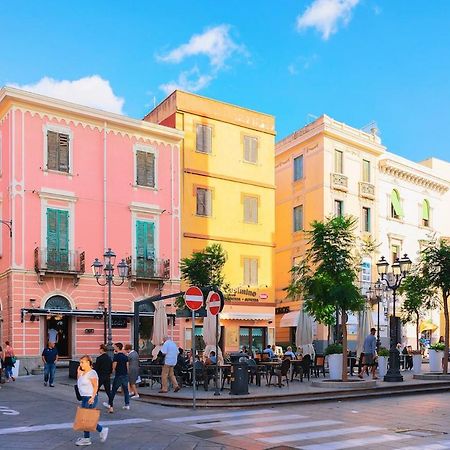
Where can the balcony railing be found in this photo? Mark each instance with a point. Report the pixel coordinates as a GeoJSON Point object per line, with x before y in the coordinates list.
{"type": "Point", "coordinates": [366, 190]}
{"type": "Point", "coordinates": [58, 261]}
{"type": "Point", "coordinates": [149, 268]}
{"type": "Point", "coordinates": [339, 181]}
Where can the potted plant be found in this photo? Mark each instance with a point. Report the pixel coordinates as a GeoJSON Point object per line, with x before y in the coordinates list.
{"type": "Point", "coordinates": [417, 361]}
{"type": "Point", "coordinates": [436, 352]}
{"type": "Point", "coordinates": [383, 355]}
{"type": "Point", "coordinates": [334, 353]}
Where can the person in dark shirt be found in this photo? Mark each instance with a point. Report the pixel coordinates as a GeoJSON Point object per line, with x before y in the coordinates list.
{"type": "Point", "coordinates": [49, 358]}
{"type": "Point", "coordinates": [103, 367]}
{"type": "Point", "coordinates": [120, 368]}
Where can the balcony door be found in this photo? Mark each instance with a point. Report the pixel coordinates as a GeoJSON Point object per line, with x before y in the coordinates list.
{"type": "Point", "coordinates": [57, 239]}
{"type": "Point", "coordinates": [145, 249]}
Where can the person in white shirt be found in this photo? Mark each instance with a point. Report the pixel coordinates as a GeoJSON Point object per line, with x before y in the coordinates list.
{"type": "Point", "coordinates": [52, 335]}
{"type": "Point", "coordinates": [170, 352]}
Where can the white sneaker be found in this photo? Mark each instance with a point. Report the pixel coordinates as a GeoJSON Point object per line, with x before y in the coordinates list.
{"type": "Point", "coordinates": [106, 404]}
{"type": "Point", "coordinates": [126, 407]}
{"type": "Point", "coordinates": [134, 397]}
{"type": "Point", "coordinates": [104, 434]}
{"type": "Point", "coordinates": [83, 441]}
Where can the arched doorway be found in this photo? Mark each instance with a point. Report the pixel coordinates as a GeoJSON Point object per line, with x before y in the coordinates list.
{"type": "Point", "coordinates": [59, 324]}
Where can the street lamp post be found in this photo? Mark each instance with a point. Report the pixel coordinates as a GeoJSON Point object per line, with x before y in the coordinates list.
{"type": "Point", "coordinates": [400, 269]}
{"type": "Point", "coordinates": [108, 268]}
{"type": "Point", "coordinates": [376, 294]}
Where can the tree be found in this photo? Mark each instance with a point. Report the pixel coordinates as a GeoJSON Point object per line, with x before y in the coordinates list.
{"type": "Point", "coordinates": [326, 277]}
{"type": "Point", "coordinates": [203, 268]}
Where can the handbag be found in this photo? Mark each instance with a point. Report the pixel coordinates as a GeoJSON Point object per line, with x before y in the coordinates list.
{"type": "Point", "coordinates": [77, 392]}
{"type": "Point", "coordinates": [86, 419]}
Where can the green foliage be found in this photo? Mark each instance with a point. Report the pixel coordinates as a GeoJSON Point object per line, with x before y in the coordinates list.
{"type": "Point", "coordinates": [334, 349]}
{"type": "Point", "coordinates": [203, 268]}
{"type": "Point", "coordinates": [438, 346]}
{"type": "Point", "coordinates": [383, 351]}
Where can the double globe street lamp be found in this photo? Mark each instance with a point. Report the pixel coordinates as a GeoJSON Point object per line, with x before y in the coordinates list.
{"type": "Point", "coordinates": [107, 267]}
{"type": "Point", "coordinates": [393, 280]}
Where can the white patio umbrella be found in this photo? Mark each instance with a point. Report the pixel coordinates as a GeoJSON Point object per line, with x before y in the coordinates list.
{"type": "Point", "coordinates": [304, 335]}
{"type": "Point", "coordinates": [209, 336]}
{"type": "Point", "coordinates": [365, 323]}
{"type": "Point", "coordinates": [159, 326]}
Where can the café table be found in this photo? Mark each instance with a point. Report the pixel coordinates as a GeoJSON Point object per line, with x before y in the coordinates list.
{"type": "Point", "coordinates": [271, 366]}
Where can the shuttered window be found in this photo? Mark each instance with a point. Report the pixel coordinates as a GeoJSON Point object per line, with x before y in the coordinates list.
{"type": "Point", "coordinates": [145, 168]}
{"type": "Point", "coordinates": [366, 219]}
{"type": "Point", "coordinates": [396, 207]}
{"type": "Point", "coordinates": [57, 239]}
{"type": "Point", "coordinates": [203, 202]}
{"type": "Point", "coordinates": [251, 271]}
{"type": "Point", "coordinates": [298, 168]}
{"type": "Point", "coordinates": [338, 208]}
{"type": "Point", "coordinates": [366, 171]}
{"type": "Point", "coordinates": [250, 149]}
{"type": "Point", "coordinates": [338, 161]}
{"type": "Point", "coordinates": [250, 209]}
{"type": "Point", "coordinates": [298, 218]}
{"type": "Point", "coordinates": [145, 249]}
{"type": "Point", "coordinates": [425, 213]}
{"type": "Point", "coordinates": [57, 151]}
{"type": "Point", "coordinates": [204, 139]}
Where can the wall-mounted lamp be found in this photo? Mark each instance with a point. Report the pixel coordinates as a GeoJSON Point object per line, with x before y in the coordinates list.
{"type": "Point", "coordinates": [32, 302]}
{"type": "Point", "coordinates": [101, 305]}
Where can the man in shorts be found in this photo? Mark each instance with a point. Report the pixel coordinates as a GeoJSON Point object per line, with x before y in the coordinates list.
{"type": "Point", "coordinates": [370, 352]}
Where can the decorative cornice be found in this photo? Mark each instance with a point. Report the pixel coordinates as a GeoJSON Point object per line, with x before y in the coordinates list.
{"type": "Point", "coordinates": [415, 176]}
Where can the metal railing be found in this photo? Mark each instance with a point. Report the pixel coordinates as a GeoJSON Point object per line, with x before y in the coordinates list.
{"type": "Point", "coordinates": [149, 268]}
{"type": "Point", "coordinates": [58, 260]}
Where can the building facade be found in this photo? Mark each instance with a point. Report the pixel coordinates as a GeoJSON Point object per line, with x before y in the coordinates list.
{"type": "Point", "coordinates": [74, 182]}
{"type": "Point", "coordinates": [228, 197]}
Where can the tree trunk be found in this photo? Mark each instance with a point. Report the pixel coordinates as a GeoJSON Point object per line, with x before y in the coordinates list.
{"type": "Point", "coordinates": [417, 332]}
{"type": "Point", "coordinates": [446, 334]}
{"type": "Point", "coordinates": [344, 345]}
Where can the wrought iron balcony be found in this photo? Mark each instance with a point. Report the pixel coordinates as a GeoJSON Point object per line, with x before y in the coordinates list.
{"type": "Point", "coordinates": [58, 261]}
{"type": "Point", "coordinates": [366, 190]}
{"type": "Point", "coordinates": [149, 269]}
{"type": "Point", "coordinates": [339, 181]}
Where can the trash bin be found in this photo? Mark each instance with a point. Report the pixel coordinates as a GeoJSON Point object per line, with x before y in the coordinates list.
{"type": "Point", "coordinates": [73, 367]}
{"type": "Point", "coordinates": [239, 385]}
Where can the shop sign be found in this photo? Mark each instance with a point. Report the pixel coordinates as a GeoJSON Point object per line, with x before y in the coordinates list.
{"type": "Point", "coordinates": [239, 294]}
{"type": "Point", "coordinates": [282, 310]}
{"type": "Point", "coordinates": [119, 322]}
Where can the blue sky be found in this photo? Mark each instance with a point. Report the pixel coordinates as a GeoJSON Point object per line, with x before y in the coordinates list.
{"type": "Point", "coordinates": [355, 60]}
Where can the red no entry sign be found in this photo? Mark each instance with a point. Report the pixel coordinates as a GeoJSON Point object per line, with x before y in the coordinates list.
{"type": "Point", "coordinates": [213, 303]}
{"type": "Point", "coordinates": [193, 298]}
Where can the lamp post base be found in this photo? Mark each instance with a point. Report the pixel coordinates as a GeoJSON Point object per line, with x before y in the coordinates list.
{"type": "Point", "coordinates": [393, 374]}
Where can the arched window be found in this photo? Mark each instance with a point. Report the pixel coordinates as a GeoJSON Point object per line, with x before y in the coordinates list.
{"type": "Point", "coordinates": [426, 213]}
{"type": "Point", "coordinates": [58, 302]}
{"type": "Point", "coordinates": [396, 207]}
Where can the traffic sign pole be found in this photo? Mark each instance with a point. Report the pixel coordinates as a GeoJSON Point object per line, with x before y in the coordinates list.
{"type": "Point", "coordinates": [216, 391]}
{"type": "Point", "coordinates": [193, 360]}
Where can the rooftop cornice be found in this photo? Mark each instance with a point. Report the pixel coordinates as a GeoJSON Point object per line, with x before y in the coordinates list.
{"type": "Point", "coordinates": [414, 175]}
{"type": "Point", "coordinates": [18, 96]}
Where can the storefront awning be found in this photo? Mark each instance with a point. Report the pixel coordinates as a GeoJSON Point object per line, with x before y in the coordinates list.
{"type": "Point", "coordinates": [290, 319]}
{"type": "Point", "coordinates": [427, 325]}
{"type": "Point", "coordinates": [246, 316]}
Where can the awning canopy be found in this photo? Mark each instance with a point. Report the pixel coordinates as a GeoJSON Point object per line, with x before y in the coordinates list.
{"type": "Point", "coordinates": [290, 319]}
{"type": "Point", "coordinates": [246, 316]}
{"type": "Point", "coordinates": [427, 325]}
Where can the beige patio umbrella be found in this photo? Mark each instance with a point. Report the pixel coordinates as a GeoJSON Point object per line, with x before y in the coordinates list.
{"type": "Point", "coordinates": [209, 335]}
{"type": "Point", "coordinates": [304, 334]}
{"type": "Point", "coordinates": [365, 323]}
{"type": "Point", "coordinates": [159, 326]}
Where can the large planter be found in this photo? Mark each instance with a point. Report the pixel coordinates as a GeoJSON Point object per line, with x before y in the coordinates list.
{"type": "Point", "coordinates": [435, 360]}
{"type": "Point", "coordinates": [335, 366]}
{"type": "Point", "coordinates": [417, 364]}
{"type": "Point", "coordinates": [382, 365]}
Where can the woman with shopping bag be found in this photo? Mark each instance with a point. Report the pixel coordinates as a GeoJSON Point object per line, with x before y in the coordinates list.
{"type": "Point", "coordinates": [87, 416]}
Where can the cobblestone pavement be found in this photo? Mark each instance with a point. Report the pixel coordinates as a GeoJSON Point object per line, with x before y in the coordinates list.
{"type": "Point", "coordinates": [36, 417]}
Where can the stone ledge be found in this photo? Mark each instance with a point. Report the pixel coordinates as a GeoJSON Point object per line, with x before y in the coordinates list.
{"type": "Point", "coordinates": [353, 384]}
{"type": "Point", "coordinates": [432, 376]}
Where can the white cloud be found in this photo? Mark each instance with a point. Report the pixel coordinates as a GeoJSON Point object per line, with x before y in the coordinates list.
{"type": "Point", "coordinates": [186, 83]}
{"type": "Point", "coordinates": [91, 91]}
{"type": "Point", "coordinates": [215, 43]}
{"type": "Point", "coordinates": [326, 15]}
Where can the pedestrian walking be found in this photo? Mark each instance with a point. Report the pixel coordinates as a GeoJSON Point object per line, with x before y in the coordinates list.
{"type": "Point", "coordinates": [52, 335]}
{"type": "Point", "coordinates": [120, 369]}
{"type": "Point", "coordinates": [9, 361]}
{"type": "Point", "coordinates": [49, 357]}
{"type": "Point", "coordinates": [87, 382]}
{"type": "Point", "coordinates": [370, 352]}
{"type": "Point", "coordinates": [133, 370]}
{"type": "Point", "coordinates": [103, 367]}
{"type": "Point", "coordinates": [170, 352]}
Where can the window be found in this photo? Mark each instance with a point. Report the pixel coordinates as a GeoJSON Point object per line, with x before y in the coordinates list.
{"type": "Point", "coordinates": [366, 219]}
{"type": "Point", "coordinates": [145, 249]}
{"type": "Point", "coordinates": [145, 168]}
{"type": "Point", "coordinates": [298, 218]}
{"type": "Point", "coordinates": [203, 202]}
{"type": "Point", "coordinates": [338, 161]}
{"type": "Point", "coordinates": [57, 151]}
{"type": "Point", "coordinates": [251, 271]}
{"type": "Point", "coordinates": [204, 139]}
{"type": "Point", "coordinates": [338, 208]}
{"type": "Point", "coordinates": [425, 213]}
{"type": "Point", "coordinates": [57, 239]}
{"type": "Point", "coordinates": [366, 171]}
{"type": "Point", "coordinates": [298, 168]}
{"type": "Point", "coordinates": [250, 149]}
{"type": "Point", "coordinates": [396, 207]}
{"type": "Point", "coordinates": [395, 252]}
{"type": "Point", "coordinates": [250, 209]}
{"type": "Point", "coordinates": [254, 338]}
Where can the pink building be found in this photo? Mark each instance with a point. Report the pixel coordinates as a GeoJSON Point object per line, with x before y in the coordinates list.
{"type": "Point", "coordinates": [75, 181]}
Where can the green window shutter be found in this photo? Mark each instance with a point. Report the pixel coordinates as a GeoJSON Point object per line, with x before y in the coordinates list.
{"type": "Point", "coordinates": [145, 249]}
{"type": "Point", "coordinates": [52, 224]}
{"type": "Point", "coordinates": [57, 239]}
{"type": "Point", "coordinates": [425, 210]}
{"type": "Point", "coordinates": [150, 240]}
{"type": "Point", "coordinates": [141, 239]}
{"type": "Point", "coordinates": [52, 150]}
{"type": "Point", "coordinates": [395, 201]}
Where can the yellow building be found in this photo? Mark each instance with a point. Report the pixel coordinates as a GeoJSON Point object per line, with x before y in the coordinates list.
{"type": "Point", "coordinates": [326, 168]}
{"type": "Point", "coordinates": [228, 197]}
